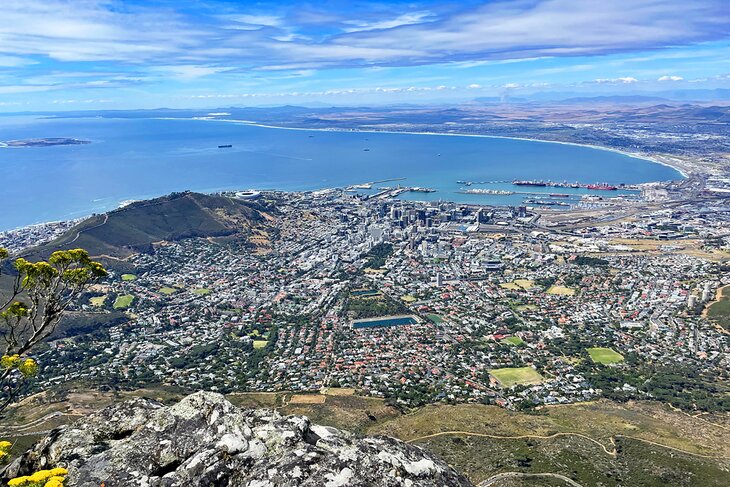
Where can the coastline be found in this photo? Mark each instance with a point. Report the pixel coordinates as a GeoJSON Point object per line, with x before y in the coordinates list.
{"type": "Point", "coordinates": [121, 202]}
{"type": "Point", "coordinates": [635, 155]}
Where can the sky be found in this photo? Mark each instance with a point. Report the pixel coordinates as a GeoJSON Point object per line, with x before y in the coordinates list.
{"type": "Point", "coordinates": [113, 54]}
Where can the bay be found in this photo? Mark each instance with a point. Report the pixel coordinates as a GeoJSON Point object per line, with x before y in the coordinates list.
{"type": "Point", "coordinates": [144, 158]}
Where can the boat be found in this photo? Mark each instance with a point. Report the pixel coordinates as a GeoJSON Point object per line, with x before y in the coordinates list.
{"type": "Point", "coordinates": [602, 187]}
{"type": "Point", "coordinates": [225, 146]}
{"type": "Point", "coordinates": [366, 150]}
{"type": "Point", "coordinates": [529, 183]}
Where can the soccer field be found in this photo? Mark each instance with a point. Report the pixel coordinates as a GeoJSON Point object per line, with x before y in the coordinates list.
{"type": "Point", "coordinates": [605, 356]}
{"type": "Point", "coordinates": [511, 376]}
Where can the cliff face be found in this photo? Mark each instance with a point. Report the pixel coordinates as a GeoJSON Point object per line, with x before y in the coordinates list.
{"type": "Point", "coordinates": [206, 441]}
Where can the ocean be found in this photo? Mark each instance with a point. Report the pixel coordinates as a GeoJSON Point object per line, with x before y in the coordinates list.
{"type": "Point", "coordinates": [144, 158]}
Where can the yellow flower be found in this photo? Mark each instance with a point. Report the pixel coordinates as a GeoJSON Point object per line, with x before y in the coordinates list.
{"type": "Point", "coordinates": [17, 482]}
{"type": "Point", "coordinates": [4, 445]}
{"type": "Point", "coordinates": [9, 361]}
{"type": "Point", "coordinates": [40, 476]}
{"type": "Point", "coordinates": [28, 368]}
{"type": "Point", "coordinates": [59, 471]}
{"type": "Point", "coordinates": [54, 482]}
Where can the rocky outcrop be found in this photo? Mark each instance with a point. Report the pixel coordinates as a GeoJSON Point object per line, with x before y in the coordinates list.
{"type": "Point", "coordinates": [204, 440]}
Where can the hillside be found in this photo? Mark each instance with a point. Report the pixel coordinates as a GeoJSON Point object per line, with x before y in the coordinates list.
{"type": "Point", "coordinates": [206, 440]}
{"type": "Point", "coordinates": [134, 228]}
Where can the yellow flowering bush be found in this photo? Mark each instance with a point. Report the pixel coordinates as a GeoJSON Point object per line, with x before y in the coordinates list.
{"type": "Point", "coordinates": [42, 478]}
{"type": "Point", "coordinates": [4, 450]}
{"type": "Point", "coordinates": [10, 361]}
{"type": "Point", "coordinates": [26, 366]}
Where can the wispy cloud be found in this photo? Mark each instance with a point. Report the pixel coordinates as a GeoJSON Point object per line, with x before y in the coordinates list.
{"type": "Point", "coordinates": [57, 45]}
{"type": "Point", "coordinates": [670, 78]}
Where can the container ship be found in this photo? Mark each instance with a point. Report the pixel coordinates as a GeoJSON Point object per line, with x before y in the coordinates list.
{"type": "Point", "coordinates": [553, 184]}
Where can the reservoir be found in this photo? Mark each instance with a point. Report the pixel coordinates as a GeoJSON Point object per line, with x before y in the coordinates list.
{"type": "Point", "coordinates": [384, 321]}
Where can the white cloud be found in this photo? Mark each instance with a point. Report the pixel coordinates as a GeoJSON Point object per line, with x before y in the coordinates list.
{"type": "Point", "coordinates": [405, 19]}
{"type": "Point", "coordinates": [622, 80]}
{"type": "Point", "coordinates": [670, 78]}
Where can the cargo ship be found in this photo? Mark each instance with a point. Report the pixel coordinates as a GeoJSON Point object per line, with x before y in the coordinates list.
{"type": "Point", "coordinates": [553, 184]}
{"type": "Point", "coordinates": [225, 146]}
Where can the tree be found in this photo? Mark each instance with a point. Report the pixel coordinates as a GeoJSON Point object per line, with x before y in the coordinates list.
{"type": "Point", "coordinates": [41, 293]}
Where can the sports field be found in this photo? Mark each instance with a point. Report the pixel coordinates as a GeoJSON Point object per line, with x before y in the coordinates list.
{"type": "Point", "coordinates": [561, 290]}
{"type": "Point", "coordinates": [201, 291]}
{"type": "Point", "coordinates": [511, 376]}
{"type": "Point", "coordinates": [97, 300]}
{"type": "Point", "coordinates": [605, 356]}
{"type": "Point", "coordinates": [512, 341]}
{"type": "Point", "coordinates": [168, 290]}
{"type": "Point", "coordinates": [123, 301]}
{"type": "Point", "coordinates": [128, 277]}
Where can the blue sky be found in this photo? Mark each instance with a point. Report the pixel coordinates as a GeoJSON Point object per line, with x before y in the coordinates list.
{"type": "Point", "coordinates": [110, 54]}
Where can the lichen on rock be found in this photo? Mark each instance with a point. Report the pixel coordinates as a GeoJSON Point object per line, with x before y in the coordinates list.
{"type": "Point", "coordinates": [204, 440]}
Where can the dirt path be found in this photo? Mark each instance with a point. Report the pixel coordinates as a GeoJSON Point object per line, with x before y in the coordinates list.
{"type": "Point", "coordinates": [509, 475]}
{"type": "Point", "coordinates": [519, 437]}
{"type": "Point", "coordinates": [580, 435]}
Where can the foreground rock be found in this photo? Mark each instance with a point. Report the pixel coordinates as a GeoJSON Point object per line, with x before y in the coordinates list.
{"type": "Point", "coordinates": [204, 440]}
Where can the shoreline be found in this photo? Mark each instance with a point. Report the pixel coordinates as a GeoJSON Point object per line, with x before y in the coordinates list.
{"type": "Point", "coordinates": [119, 204]}
{"type": "Point", "coordinates": [635, 155]}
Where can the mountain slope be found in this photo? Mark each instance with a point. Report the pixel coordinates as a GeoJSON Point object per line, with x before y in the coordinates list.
{"type": "Point", "coordinates": [134, 228]}
{"type": "Point", "coordinates": [205, 440]}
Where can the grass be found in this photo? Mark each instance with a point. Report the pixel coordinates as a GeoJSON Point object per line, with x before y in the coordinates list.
{"type": "Point", "coordinates": [435, 318]}
{"type": "Point", "coordinates": [97, 300]}
{"type": "Point", "coordinates": [605, 356]}
{"type": "Point", "coordinates": [512, 341]}
{"type": "Point", "coordinates": [408, 298]}
{"type": "Point", "coordinates": [579, 458]}
{"type": "Point", "coordinates": [128, 277]}
{"type": "Point", "coordinates": [168, 290]}
{"type": "Point", "coordinates": [260, 343]}
{"type": "Point", "coordinates": [637, 463]}
{"type": "Point", "coordinates": [719, 311]}
{"type": "Point", "coordinates": [561, 290]}
{"type": "Point", "coordinates": [201, 291]}
{"type": "Point", "coordinates": [512, 376]}
{"type": "Point", "coordinates": [124, 301]}
{"type": "Point", "coordinates": [518, 284]}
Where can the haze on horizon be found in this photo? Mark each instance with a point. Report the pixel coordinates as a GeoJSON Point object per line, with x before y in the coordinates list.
{"type": "Point", "coordinates": [112, 54]}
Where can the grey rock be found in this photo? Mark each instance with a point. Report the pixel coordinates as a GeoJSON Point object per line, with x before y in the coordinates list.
{"type": "Point", "coordinates": [204, 440]}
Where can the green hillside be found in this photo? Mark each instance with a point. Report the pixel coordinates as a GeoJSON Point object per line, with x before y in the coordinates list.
{"type": "Point", "coordinates": [137, 226]}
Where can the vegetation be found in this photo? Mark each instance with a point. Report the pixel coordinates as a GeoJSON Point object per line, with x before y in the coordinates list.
{"type": "Point", "coordinates": [590, 261]}
{"type": "Point", "coordinates": [378, 255]}
{"type": "Point", "coordinates": [41, 293]}
{"type": "Point", "coordinates": [605, 356]}
{"type": "Point", "coordinates": [512, 376]}
{"type": "Point", "coordinates": [128, 277]}
{"type": "Point", "coordinates": [124, 301]}
{"type": "Point", "coordinates": [513, 340]}
{"type": "Point", "coordinates": [174, 217]}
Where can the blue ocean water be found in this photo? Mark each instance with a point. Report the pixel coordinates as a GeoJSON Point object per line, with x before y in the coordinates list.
{"type": "Point", "coordinates": [143, 158]}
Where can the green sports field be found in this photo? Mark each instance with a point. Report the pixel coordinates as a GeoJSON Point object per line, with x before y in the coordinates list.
{"type": "Point", "coordinates": [128, 277]}
{"type": "Point", "coordinates": [512, 340]}
{"type": "Point", "coordinates": [511, 376]}
{"type": "Point", "coordinates": [123, 301]}
{"type": "Point", "coordinates": [605, 356]}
